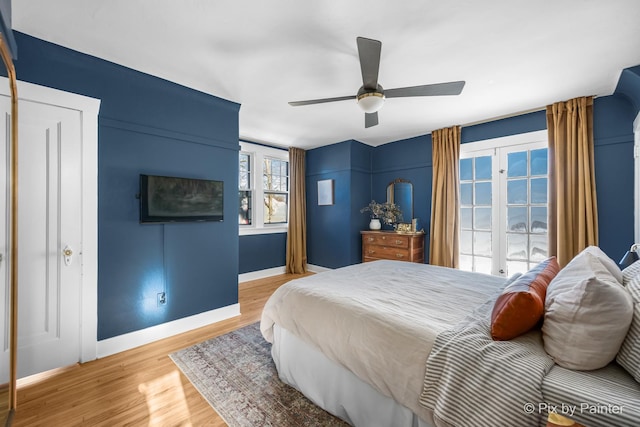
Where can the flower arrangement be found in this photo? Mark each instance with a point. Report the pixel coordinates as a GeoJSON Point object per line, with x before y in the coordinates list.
{"type": "Point", "coordinates": [387, 212]}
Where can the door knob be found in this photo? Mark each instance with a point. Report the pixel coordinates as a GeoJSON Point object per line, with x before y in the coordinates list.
{"type": "Point", "coordinates": [67, 253]}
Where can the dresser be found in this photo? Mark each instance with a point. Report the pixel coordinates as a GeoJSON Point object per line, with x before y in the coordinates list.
{"type": "Point", "coordinates": [391, 245]}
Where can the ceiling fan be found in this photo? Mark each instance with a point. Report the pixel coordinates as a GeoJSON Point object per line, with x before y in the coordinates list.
{"type": "Point", "coordinates": [371, 95]}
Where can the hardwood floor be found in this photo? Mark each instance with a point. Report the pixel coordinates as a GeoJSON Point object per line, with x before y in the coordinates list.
{"type": "Point", "coordinates": [138, 387]}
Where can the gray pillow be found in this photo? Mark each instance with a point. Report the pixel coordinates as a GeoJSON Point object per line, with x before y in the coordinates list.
{"type": "Point", "coordinates": [587, 314]}
{"type": "Point", "coordinates": [610, 264]}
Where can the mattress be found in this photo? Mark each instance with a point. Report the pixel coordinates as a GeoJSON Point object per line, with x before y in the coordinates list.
{"type": "Point", "coordinates": [380, 319]}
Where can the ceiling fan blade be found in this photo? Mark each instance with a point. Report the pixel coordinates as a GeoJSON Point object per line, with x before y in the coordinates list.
{"type": "Point", "coordinates": [370, 119]}
{"type": "Point", "coordinates": [369, 53]}
{"type": "Point", "coordinates": [320, 101]}
{"type": "Point", "coordinates": [437, 89]}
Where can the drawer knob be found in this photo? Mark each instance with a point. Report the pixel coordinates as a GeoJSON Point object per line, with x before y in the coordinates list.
{"type": "Point", "coordinates": [371, 239]}
{"type": "Point", "coordinates": [398, 242]}
{"type": "Point", "coordinates": [384, 237]}
{"type": "Point", "coordinates": [372, 252]}
{"type": "Point", "coordinates": [400, 255]}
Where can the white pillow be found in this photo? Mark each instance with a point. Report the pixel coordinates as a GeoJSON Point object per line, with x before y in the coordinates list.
{"type": "Point", "coordinates": [587, 314]}
{"type": "Point", "coordinates": [606, 261]}
{"type": "Point", "coordinates": [629, 355]}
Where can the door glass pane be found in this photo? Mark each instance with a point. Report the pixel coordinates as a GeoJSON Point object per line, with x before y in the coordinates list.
{"type": "Point", "coordinates": [517, 164]}
{"type": "Point", "coordinates": [466, 262]}
{"type": "Point", "coordinates": [482, 265]}
{"type": "Point", "coordinates": [539, 190]}
{"type": "Point", "coordinates": [517, 192]}
{"type": "Point", "coordinates": [483, 193]}
{"type": "Point", "coordinates": [482, 218]}
{"type": "Point", "coordinates": [466, 170]}
{"type": "Point", "coordinates": [517, 246]}
{"type": "Point", "coordinates": [483, 167]}
{"type": "Point", "coordinates": [514, 267]}
{"type": "Point", "coordinates": [466, 218]}
{"type": "Point", "coordinates": [482, 243]}
{"type": "Point", "coordinates": [466, 243]}
{"type": "Point", "coordinates": [517, 219]}
{"type": "Point", "coordinates": [539, 162]}
{"type": "Point", "coordinates": [538, 219]}
{"type": "Point", "coordinates": [466, 194]}
{"type": "Point", "coordinates": [538, 247]}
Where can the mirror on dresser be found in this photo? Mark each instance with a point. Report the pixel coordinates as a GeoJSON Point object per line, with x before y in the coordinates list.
{"type": "Point", "coordinates": [400, 192]}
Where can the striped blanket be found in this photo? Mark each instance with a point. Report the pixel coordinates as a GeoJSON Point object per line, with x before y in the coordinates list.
{"type": "Point", "coordinates": [601, 398]}
{"type": "Point", "coordinates": [472, 380]}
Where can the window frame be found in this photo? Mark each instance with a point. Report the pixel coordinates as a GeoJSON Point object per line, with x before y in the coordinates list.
{"type": "Point", "coordinates": [257, 153]}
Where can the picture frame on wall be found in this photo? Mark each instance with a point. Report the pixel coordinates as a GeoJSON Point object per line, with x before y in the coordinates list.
{"type": "Point", "coordinates": [325, 192]}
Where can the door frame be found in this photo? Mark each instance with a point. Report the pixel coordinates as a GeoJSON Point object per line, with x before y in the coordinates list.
{"type": "Point", "coordinates": [88, 108]}
{"type": "Point", "coordinates": [636, 172]}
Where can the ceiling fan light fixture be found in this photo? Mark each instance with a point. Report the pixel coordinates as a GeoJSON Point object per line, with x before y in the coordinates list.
{"type": "Point", "coordinates": [370, 102]}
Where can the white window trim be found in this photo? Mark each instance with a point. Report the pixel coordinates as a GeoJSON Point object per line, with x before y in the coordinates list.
{"type": "Point", "coordinates": [257, 153]}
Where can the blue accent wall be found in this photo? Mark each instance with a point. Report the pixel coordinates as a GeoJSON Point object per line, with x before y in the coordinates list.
{"type": "Point", "coordinates": [262, 251]}
{"type": "Point", "coordinates": [614, 169]}
{"type": "Point", "coordinates": [149, 125]}
{"type": "Point", "coordinates": [333, 231]}
{"type": "Point", "coordinates": [408, 159]}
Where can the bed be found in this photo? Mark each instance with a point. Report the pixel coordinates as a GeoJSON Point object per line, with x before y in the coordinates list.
{"type": "Point", "coordinates": [358, 342]}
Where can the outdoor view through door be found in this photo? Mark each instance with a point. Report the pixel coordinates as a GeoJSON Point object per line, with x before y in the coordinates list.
{"type": "Point", "coordinates": [503, 207]}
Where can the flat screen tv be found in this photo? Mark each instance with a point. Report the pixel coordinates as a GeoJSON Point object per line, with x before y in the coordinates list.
{"type": "Point", "coordinates": [173, 199]}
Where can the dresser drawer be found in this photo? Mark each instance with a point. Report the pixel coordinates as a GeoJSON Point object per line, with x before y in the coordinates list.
{"type": "Point", "coordinates": [386, 252]}
{"type": "Point", "coordinates": [393, 240]}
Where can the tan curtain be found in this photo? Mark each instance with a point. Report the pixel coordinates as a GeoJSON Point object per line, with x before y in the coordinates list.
{"type": "Point", "coordinates": [297, 235]}
{"type": "Point", "coordinates": [573, 215]}
{"type": "Point", "coordinates": [445, 197]}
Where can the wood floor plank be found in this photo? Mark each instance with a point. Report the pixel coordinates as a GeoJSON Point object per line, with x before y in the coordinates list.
{"type": "Point", "coordinates": [138, 387]}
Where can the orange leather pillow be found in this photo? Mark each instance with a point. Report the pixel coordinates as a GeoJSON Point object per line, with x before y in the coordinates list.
{"type": "Point", "coordinates": [521, 305]}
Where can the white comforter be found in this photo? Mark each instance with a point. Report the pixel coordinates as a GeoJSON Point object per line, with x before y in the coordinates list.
{"type": "Point", "coordinates": [379, 319]}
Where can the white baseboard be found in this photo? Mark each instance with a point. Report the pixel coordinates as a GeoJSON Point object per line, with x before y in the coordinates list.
{"type": "Point", "coordinates": [261, 274]}
{"type": "Point", "coordinates": [154, 333]}
{"type": "Point", "coordinates": [317, 268]}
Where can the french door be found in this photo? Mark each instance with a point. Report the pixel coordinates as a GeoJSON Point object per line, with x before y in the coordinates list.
{"type": "Point", "coordinates": [503, 207]}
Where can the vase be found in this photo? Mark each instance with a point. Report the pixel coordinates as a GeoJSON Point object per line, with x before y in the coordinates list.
{"type": "Point", "coordinates": [375, 224]}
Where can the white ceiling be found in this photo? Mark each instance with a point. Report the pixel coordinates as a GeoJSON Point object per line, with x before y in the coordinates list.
{"type": "Point", "coordinates": [515, 55]}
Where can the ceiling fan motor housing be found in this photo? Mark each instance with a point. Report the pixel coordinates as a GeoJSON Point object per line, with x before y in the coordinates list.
{"type": "Point", "coordinates": [370, 100]}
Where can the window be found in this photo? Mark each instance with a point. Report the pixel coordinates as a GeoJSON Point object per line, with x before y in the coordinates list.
{"type": "Point", "coordinates": [275, 178]}
{"type": "Point", "coordinates": [244, 216]}
{"type": "Point", "coordinates": [263, 189]}
{"type": "Point", "coordinates": [503, 204]}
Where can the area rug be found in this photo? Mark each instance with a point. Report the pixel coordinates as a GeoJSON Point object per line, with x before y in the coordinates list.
{"type": "Point", "coordinates": [236, 375]}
